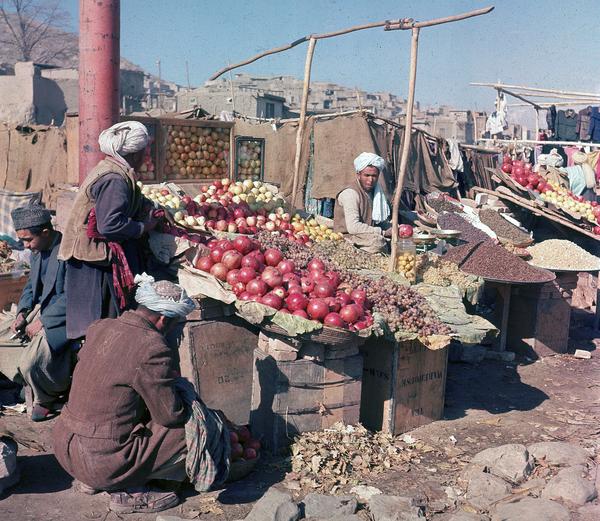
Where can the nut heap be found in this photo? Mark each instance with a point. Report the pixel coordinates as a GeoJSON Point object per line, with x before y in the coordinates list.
{"type": "Point", "coordinates": [6, 263]}
{"type": "Point", "coordinates": [431, 269]}
{"type": "Point", "coordinates": [197, 153]}
{"type": "Point", "coordinates": [341, 254]}
{"type": "Point", "coordinates": [345, 454]}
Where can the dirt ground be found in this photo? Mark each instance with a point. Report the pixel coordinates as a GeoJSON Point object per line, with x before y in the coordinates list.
{"type": "Point", "coordinates": [557, 398]}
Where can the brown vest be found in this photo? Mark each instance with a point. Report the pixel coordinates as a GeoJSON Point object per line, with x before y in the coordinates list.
{"type": "Point", "coordinates": [76, 244]}
{"type": "Point", "coordinates": [365, 208]}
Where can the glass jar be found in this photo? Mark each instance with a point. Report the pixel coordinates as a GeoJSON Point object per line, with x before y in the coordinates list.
{"type": "Point", "coordinates": [406, 259]}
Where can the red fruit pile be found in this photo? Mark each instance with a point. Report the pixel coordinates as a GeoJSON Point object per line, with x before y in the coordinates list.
{"type": "Point", "coordinates": [243, 445]}
{"type": "Point", "coordinates": [266, 276]}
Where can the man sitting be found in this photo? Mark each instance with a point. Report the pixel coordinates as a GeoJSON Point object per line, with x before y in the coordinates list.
{"type": "Point", "coordinates": [46, 362]}
{"type": "Point", "coordinates": [124, 423]}
{"type": "Point", "coordinates": [361, 210]}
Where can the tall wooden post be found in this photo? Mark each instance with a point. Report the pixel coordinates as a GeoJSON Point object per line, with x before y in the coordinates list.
{"type": "Point", "coordinates": [414, 48]}
{"type": "Point", "coordinates": [302, 121]}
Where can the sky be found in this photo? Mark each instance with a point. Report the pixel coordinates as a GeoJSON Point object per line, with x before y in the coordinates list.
{"type": "Point", "coordinates": [538, 43]}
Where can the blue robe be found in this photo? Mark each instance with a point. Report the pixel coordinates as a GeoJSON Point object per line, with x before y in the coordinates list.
{"type": "Point", "coordinates": [46, 287]}
{"type": "Point", "coordinates": [89, 285]}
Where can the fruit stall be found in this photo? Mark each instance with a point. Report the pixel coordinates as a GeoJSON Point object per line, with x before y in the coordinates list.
{"type": "Point", "coordinates": [294, 322]}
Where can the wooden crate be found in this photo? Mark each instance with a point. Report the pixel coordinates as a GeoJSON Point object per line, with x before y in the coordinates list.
{"type": "Point", "coordinates": [216, 356]}
{"type": "Point", "coordinates": [404, 385]}
{"type": "Point", "coordinates": [290, 397]}
{"type": "Point", "coordinates": [10, 289]}
{"type": "Point", "coordinates": [540, 317]}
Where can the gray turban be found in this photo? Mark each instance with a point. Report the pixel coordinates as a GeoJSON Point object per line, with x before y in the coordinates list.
{"type": "Point", "coordinates": [163, 297]}
{"type": "Point", "coordinates": [30, 216]}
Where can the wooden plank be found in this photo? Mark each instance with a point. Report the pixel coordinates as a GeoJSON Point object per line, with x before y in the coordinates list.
{"type": "Point", "coordinates": [420, 386]}
{"type": "Point", "coordinates": [216, 355]}
{"type": "Point", "coordinates": [10, 289]}
{"type": "Point", "coordinates": [403, 385]}
{"type": "Point", "coordinates": [291, 397]}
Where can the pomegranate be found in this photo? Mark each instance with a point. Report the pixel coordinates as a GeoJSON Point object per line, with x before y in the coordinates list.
{"type": "Point", "coordinates": [273, 257]}
{"type": "Point", "coordinates": [219, 271]}
{"type": "Point", "coordinates": [272, 277]}
{"type": "Point", "coordinates": [243, 245]}
{"type": "Point", "coordinates": [272, 300]}
{"type": "Point", "coordinates": [350, 313]}
{"type": "Point", "coordinates": [317, 309]}
{"type": "Point", "coordinates": [324, 289]}
{"type": "Point", "coordinates": [246, 274]}
{"type": "Point", "coordinates": [286, 266]}
{"type": "Point", "coordinates": [232, 259]}
{"type": "Point", "coordinates": [232, 277]}
{"type": "Point", "coordinates": [204, 263]}
{"type": "Point", "coordinates": [405, 231]}
{"type": "Point", "coordinates": [316, 265]}
{"type": "Point", "coordinates": [335, 320]}
{"type": "Point", "coordinates": [300, 313]}
{"type": "Point", "coordinates": [257, 287]}
{"type": "Point", "coordinates": [296, 302]}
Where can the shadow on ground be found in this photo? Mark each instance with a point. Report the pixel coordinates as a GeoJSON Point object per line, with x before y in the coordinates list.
{"type": "Point", "coordinates": [492, 386]}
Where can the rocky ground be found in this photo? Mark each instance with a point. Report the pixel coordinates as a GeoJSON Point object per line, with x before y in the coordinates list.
{"type": "Point", "coordinates": [519, 441]}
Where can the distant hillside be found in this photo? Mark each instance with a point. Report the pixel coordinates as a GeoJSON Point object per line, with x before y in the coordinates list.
{"type": "Point", "coordinates": [60, 48]}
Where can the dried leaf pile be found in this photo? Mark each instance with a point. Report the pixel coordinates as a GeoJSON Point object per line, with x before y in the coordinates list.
{"type": "Point", "coordinates": [346, 455]}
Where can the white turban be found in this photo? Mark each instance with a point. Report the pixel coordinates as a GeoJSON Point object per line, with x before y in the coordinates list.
{"type": "Point", "coordinates": [163, 297]}
{"type": "Point", "coordinates": [368, 159]}
{"type": "Point", "coordinates": [123, 138]}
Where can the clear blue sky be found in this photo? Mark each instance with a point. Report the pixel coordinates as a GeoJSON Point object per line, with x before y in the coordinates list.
{"type": "Point", "coordinates": [547, 43]}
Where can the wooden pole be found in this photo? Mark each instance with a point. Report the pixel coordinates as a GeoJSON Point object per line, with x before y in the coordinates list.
{"type": "Point", "coordinates": [537, 123]}
{"type": "Point", "coordinates": [302, 121]}
{"type": "Point", "coordinates": [403, 24]}
{"type": "Point", "coordinates": [534, 89]}
{"type": "Point", "coordinates": [414, 48]}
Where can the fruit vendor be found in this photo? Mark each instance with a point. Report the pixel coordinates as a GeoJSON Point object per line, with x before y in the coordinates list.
{"type": "Point", "coordinates": [361, 210]}
{"type": "Point", "coordinates": [101, 241]}
{"type": "Point", "coordinates": [46, 362]}
{"type": "Point", "coordinates": [127, 418]}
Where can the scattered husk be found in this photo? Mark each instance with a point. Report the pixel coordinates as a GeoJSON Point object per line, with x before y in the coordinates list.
{"type": "Point", "coordinates": [347, 455]}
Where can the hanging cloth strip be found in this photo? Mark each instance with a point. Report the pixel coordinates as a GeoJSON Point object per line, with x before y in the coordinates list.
{"type": "Point", "coordinates": [123, 281]}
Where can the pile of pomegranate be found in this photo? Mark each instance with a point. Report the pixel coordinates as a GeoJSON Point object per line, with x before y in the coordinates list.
{"type": "Point", "coordinates": [267, 277]}
{"type": "Point", "coordinates": [243, 445]}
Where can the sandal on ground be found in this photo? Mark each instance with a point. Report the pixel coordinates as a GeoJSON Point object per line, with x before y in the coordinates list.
{"type": "Point", "coordinates": [85, 489]}
{"type": "Point", "coordinates": [142, 500]}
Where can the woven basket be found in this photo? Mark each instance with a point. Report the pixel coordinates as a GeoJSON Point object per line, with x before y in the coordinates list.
{"type": "Point", "coordinates": [327, 335]}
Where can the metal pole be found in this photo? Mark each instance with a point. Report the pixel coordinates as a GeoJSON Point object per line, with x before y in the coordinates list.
{"type": "Point", "coordinates": [414, 49]}
{"type": "Point", "coordinates": [99, 56]}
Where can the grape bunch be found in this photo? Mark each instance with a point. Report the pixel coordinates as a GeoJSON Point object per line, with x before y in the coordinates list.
{"type": "Point", "coordinates": [300, 254]}
{"type": "Point", "coordinates": [402, 308]}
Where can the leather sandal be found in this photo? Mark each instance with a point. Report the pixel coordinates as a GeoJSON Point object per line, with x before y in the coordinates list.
{"type": "Point", "coordinates": [142, 500]}
{"type": "Point", "coordinates": [79, 486]}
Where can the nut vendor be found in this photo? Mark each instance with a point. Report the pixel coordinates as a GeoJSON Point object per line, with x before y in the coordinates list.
{"type": "Point", "coordinates": [100, 243]}
{"type": "Point", "coordinates": [130, 419]}
{"type": "Point", "coordinates": [361, 211]}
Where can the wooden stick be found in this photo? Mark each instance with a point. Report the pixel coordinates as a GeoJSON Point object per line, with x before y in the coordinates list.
{"type": "Point", "coordinates": [414, 49]}
{"type": "Point", "coordinates": [536, 210]}
{"type": "Point", "coordinates": [385, 23]}
{"type": "Point", "coordinates": [518, 96]}
{"type": "Point", "coordinates": [534, 89]}
{"type": "Point", "coordinates": [302, 121]}
{"type": "Point", "coordinates": [538, 142]}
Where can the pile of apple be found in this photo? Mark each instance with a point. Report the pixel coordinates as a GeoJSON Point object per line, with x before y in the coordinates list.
{"type": "Point", "coordinates": [315, 231]}
{"type": "Point", "coordinates": [147, 168]}
{"type": "Point", "coordinates": [270, 279]}
{"type": "Point", "coordinates": [162, 196]}
{"type": "Point", "coordinates": [243, 445]}
{"type": "Point", "coordinates": [255, 193]}
{"type": "Point", "coordinates": [552, 192]}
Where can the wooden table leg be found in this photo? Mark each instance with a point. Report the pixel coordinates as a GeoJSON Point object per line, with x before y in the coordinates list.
{"type": "Point", "coordinates": [504, 290]}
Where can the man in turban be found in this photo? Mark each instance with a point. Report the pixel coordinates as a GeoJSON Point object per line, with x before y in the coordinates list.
{"type": "Point", "coordinates": [101, 241]}
{"type": "Point", "coordinates": [46, 361]}
{"type": "Point", "coordinates": [361, 211]}
{"type": "Point", "coordinates": [124, 424]}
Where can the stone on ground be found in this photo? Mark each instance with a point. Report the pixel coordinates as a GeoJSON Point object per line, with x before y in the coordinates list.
{"type": "Point", "coordinates": [394, 508]}
{"type": "Point", "coordinates": [467, 516]}
{"type": "Point", "coordinates": [571, 486]}
{"type": "Point", "coordinates": [169, 518]}
{"type": "Point", "coordinates": [364, 492]}
{"type": "Point", "coordinates": [9, 473]}
{"type": "Point", "coordinates": [510, 462]}
{"type": "Point", "coordinates": [274, 506]}
{"type": "Point", "coordinates": [531, 509]}
{"type": "Point", "coordinates": [558, 453]}
{"type": "Point", "coordinates": [320, 505]}
{"type": "Point", "coordinates": [484, 489]}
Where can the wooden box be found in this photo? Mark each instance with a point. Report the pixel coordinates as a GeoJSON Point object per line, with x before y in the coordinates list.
{"type": "Point", "coordinates": [540, 317]}
{"type": "Point", "coordinates": [11, 287]}
{"type": "Point", "coordinates": [404, 385]}
{"type": "Point", "coordinates": [290, 397]}
{"type": "Point", "coordinates": [216, 356]}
